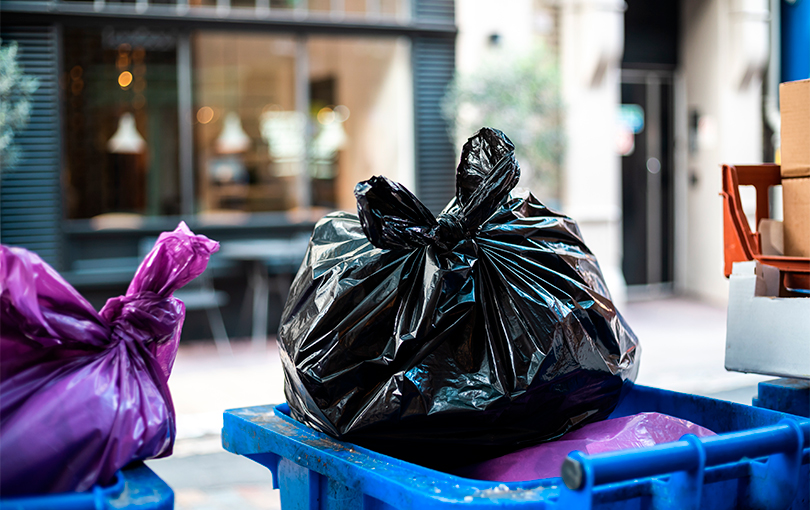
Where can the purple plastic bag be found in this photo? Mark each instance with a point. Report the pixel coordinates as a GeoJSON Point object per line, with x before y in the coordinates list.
{"type": "Point", "coordinates": [545, 460]}
{"type": "Point", "coordinates": [83, 393]}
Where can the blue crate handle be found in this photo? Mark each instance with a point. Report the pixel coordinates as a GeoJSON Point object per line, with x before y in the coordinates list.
{"type": "Point", "coordinates": [687, 460]}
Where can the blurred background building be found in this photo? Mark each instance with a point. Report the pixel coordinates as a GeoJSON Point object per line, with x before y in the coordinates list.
{"type": "Point", "coordinates": [656, 96]}
{"type": "Point", "coordinates": [250, 119]}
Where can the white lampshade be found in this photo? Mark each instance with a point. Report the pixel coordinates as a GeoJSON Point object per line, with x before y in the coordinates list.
{"type": "Point", "coordinates": [126, 139]}
{"type": "Point", "coordinates": [233, 138]}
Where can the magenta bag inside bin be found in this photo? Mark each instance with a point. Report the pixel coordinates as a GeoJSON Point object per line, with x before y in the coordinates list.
{"type": "Point", "coordinates": [545, 460]}
{"type": "Point", "coordinates": [83, 393]}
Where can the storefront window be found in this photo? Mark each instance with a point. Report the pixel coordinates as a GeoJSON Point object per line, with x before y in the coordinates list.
{"type": "Point", "coordinates": [361, 113]}
{"type": "Point", "coordinates": [120, 89]}
{"type": "Point", "coordinates": [239, 81]}
{"type": "Point", "coordinates": [287, 123]}
{"type": "Point", "coordinates": [281, 123]}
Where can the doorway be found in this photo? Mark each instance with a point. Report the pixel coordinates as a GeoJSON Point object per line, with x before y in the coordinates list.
{"type": "Point", "coordinates": [647, 179]}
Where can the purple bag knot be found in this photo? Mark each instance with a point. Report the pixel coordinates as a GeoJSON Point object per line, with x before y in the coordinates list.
{"type": "Point", "coordinates": [145, 318]}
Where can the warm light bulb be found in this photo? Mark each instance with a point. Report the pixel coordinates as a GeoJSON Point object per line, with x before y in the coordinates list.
{"type": "Point", "coordinates": [205, 115]}
{"type": "Point", "coordinates": [125, 79]}
{"type": "Point", "coordinates": [326, 115]}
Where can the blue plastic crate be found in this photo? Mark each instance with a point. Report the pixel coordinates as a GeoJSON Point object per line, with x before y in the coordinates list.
{"type": "Point", "coordinates": [135, 486]}
{"type": "Point", "coordinates": [790, 396]}
{"type": "Point", "coordinates": [314, 471]}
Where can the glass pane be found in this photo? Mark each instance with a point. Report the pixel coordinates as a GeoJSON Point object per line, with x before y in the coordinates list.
{"type": "Point", "coordinates": [120, 89]}
{"type": "Point", "coordinates": [259, 148]}
{"type": "Point", "coordinates": [244, 101]}
{"type": "Point", "coordinates": [361, 113]}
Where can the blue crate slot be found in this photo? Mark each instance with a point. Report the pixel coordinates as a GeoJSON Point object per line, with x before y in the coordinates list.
{"type": "Point", "coordinates": [759, 459]}
{"type": "Point", "coordinates": [135, 486]}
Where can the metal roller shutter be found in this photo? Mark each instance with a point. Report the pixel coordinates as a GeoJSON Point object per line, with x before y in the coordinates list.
{"type": "Point", "coordinates": [30, 194]}
{"type": "Point", "coordinates": [434, 63]}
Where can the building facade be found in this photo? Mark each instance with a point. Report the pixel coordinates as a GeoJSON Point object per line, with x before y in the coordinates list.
{"type": "Point", "coordinates": [657, 95]}
{"type": "Point", "coordinates": [245, 118]}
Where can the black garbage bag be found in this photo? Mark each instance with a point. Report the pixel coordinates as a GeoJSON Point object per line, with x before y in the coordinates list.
{"type": "Point", "coordinates": [446, 341]}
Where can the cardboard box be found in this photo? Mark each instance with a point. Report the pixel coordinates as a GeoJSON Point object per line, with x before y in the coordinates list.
{"type": "Point", "coordinates": [771, 237]}
{"type": "Point", "coordinates": [796, 223]}
{"type": "Point", "coordinates": [794, 104]}
{"type": "Point", "coordinates": [765, 334]}
{"type": "Point", "coordinates": [794, 100]}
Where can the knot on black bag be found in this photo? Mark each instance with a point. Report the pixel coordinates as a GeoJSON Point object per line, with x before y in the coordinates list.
{"type": "Point", "coordinates": [449, 230]}
{"type": "Point", "coordinates": [393, 218]}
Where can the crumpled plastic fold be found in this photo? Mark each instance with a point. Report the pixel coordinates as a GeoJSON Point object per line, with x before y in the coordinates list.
{"type": "Point", "coordinates": [83, 393]}
{"type": "Point", "coordinates": [452, 339]}
{"type": "Point", "coordinates": [545, 460]}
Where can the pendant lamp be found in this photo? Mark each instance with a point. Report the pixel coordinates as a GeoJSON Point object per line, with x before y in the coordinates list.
{"type": "Point", "coordinates": [233, 138]}
{"type": "Point", "coordinates": [126, 139]}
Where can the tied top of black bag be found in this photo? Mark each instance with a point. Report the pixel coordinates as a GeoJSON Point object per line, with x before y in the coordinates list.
{"type": "Point", "coordinates": [393, 218]}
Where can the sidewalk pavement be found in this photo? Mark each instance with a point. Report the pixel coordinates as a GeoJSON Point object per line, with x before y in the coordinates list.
{"type": "Point", "coordinates": [683, 349]}
{"type": "Point", "coordinates": [683, 346]}
{"type": "Point", "coordinates": [203, 385]}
